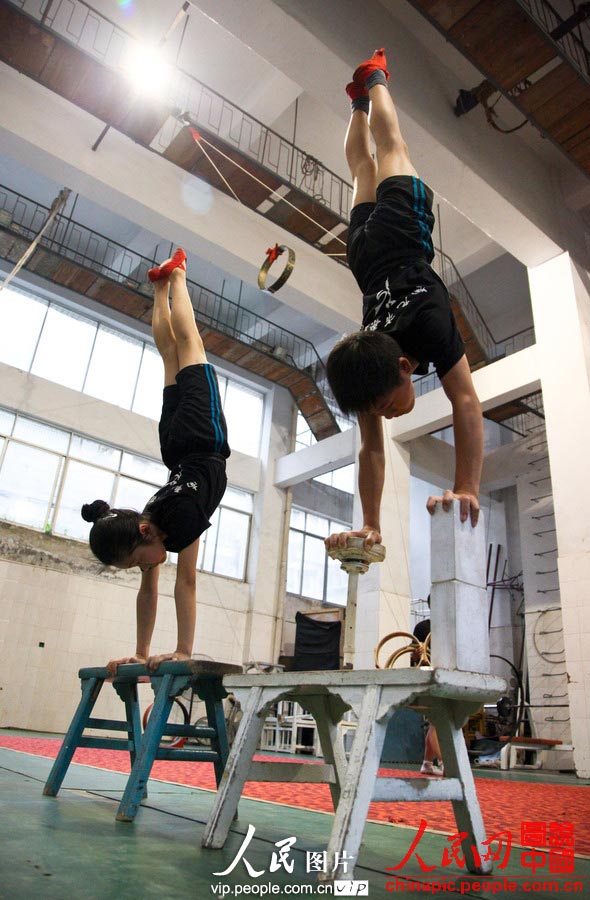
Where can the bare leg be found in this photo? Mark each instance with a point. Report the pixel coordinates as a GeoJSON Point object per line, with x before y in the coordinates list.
{"type": "Point", "coordinates": [163, 333]}
{"type": "Point", "coordinates": [357, 147]}
{"type": "Point", "coordinates": [393, 157]}
{"type": "Point", "coordinates": [189, 346]}
{"type": "Point", "coordinates": [431, 748]}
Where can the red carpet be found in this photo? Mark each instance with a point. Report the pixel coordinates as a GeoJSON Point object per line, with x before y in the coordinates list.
{"type": "Point", "coordinates": [505, 804]}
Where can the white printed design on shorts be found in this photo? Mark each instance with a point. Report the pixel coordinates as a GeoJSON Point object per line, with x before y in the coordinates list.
{"type": "Point", "coordinates": [386, 301]}
{"type": "Point", "coordinates": [385, 294]}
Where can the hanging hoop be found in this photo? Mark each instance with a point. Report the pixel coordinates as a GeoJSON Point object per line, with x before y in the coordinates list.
{"type": "Point", "coordinates": [271, 255]}
{"type": "Point", "coordinates": [423, 649]}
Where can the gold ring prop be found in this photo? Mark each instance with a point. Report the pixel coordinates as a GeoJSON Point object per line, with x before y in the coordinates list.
{"type": "Point", "coordinates": [271, 255]}
{"type": "Point", "coordinates": [415, 646]}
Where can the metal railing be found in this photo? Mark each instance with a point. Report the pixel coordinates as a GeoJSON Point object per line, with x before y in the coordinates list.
{"type": "Point", "coordinates": [569, 46]}
{"type": "Point", "coordinates": [527, 423]}
{"type": "Point", "coordinates": [93, 33]}
{"type": "Point", "coordinates": [74, 241]}
{"type": "Point", "coordinates": [512, 344]}
{"type": "Point", "coordinates": [448, 272]}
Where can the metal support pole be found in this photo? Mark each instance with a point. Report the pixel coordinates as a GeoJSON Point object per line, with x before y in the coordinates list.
{"type": "Point", "coordinates": [54, 211]}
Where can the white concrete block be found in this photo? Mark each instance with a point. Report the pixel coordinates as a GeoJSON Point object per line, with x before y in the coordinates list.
{"type": "Point", "coordinates": [458, 549]}
{"type": "Point", "coordinates": [459, 624]}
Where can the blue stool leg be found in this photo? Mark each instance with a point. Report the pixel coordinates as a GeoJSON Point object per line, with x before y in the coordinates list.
{"type": "Point", "coordinates": [216, 720]}
{"type": "Point", "coordinates": [90, 691]}
{"type": "Point", "coordinates": [127, 691]}
{"type": "Point", "coordinates": [148, 748]}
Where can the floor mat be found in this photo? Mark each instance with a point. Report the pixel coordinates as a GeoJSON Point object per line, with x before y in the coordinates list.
{"type": "Point", "coordinates": [505, 805]}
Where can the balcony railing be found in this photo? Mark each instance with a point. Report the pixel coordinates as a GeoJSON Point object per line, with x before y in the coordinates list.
{"type": "Point", "coordinates": [74, 241]}
{"type": "Point", "coordinates": [93, 33]}
{"type": "Point", "coordinates": [569, 46]}
{"type": "Point", "coordinates": [81, 25]}
{"type": "Point", "coordinates": [506, 347]}
{"type": "Point", "coordinates": [448, 272]}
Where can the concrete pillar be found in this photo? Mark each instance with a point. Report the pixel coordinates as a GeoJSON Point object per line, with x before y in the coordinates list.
{"type": "Point", "coordinates": [544, 665]}
{"type": "Point", "coordinates": [561, 305]}
{"type": "Point", "coordinates": [383, 599]}
{"type": "Point", "coordinates": [458, 598]}
{"type": "Point", "coordinates": [269, 535]}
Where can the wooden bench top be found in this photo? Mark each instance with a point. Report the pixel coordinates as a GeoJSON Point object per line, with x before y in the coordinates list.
{"type": "Point", "coordinates": [533, 742]}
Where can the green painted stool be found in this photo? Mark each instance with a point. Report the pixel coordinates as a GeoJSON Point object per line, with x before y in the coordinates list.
{"type": "Point", "coordinates": [168, 681]}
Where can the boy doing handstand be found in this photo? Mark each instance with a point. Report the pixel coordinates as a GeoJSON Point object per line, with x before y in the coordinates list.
{"type": "Point", "coordinates": [407, 317]}
{"type": "Point", "coordinates": [193, 442]}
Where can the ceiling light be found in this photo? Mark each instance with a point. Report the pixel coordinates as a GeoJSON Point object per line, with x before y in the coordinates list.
{"type": "Point", "coordinates": [147, 70]}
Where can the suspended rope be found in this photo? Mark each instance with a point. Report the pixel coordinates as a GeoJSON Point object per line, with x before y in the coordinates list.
{"type": "Point", "coordinates": [186, 119]}
{"type": "Point", "coordinates": [198, 139]}
{"type": "Point", "coordinates": [490, 113]}
{"type": "Point", "coordinates": [272, 254]}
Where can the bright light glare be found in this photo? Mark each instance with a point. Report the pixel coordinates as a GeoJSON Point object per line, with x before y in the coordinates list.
{"type": "Point", "coordinates": [145, 67]}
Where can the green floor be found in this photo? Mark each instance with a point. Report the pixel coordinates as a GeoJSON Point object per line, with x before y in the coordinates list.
{"type": "Point", "coordinates": [72, 847]}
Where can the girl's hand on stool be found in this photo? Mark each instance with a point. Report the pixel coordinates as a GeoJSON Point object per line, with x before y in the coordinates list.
{"type": "Point", "coordinates": [114, 664]}
{"type": "Point", "coordinates": [154, 661]}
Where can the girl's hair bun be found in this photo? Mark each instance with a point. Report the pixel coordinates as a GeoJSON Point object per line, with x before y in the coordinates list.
{"type": "Point", "coordinates": [91, 512]}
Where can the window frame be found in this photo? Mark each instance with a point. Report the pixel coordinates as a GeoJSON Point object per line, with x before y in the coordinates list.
{"type": "Point", "coordinates": [305, 533]}
{"type": "Point", "coordinates": [65, 458]}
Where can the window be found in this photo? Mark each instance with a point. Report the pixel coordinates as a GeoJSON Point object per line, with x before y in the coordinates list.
{"type": "Point", "coordinates": [64, 348]}
{"type": "Point", "coordinates": [6, 420]}
{"type": "Point", "coordinates": [44, 486]}
{"type": "Point", "coordinates": [148, 393]}
{"type": "Point", "coordinates": [243, 408]}
{"type": "Point", "coordinates": [27, 484]}
{"type": "Point", "coordinates": [22, 318]}
{"type": "Point", "coordinates": [82, 484]}
{"type": "Point", "coordinates": [342, 478]}
{"type": "Point", "coordinates": [310, 571]}
{"type": "Point", "coordinates": [74, 350]}
{"type": "Point", "coordinates": [223, 548]}
{"type": "Point", "coordinates": [304, 435]}
{"type": "Point", "coordinates": [131, 494]}
{"type": "Point", "coordinates": [46, 436]}
{"type": "Point", "coordinates": [114, 367]}
{"type": "Point", "coordinates": [46, 474]}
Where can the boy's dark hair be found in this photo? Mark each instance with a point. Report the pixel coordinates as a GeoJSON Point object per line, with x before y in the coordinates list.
{"type": "Point", "coordinates": [361, 368]}
{"type": "Point", "coordinates": [115, 533]}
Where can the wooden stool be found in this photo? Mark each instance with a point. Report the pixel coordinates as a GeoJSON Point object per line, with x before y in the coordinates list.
{"type": "Point", "coordinates": [446, 697]}
{"type": "Point", "coordinates": [538, 746]}
{"type": "Point", "coordinates": [168, 681]}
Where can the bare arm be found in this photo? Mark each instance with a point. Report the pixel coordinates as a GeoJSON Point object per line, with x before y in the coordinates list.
{"type": "Point", "coordinates": [146, 607]}
{"type": "Point", "coordinates": [185, 598]}
{"type": "Point", "coordinates": [371, 474]}
{"type": "Point", "coordinates": [468, 429]}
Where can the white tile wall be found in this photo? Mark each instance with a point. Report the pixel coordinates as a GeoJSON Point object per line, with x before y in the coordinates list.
{"type": "Point", "coordinates": [85, 621]}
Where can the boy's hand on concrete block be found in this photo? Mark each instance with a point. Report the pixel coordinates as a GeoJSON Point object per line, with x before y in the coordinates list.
{"type": "Point", "coordinates": [469, 504]}
{"type": "Point", "coordinates": [338, 539]}
{"type": "Point", "coordinates": [154, 661]}
{"type": "Point", "coordinates": [114, 664]}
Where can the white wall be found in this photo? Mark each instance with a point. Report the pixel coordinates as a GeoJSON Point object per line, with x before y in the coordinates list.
{"type": "Point", "coordinates": [85, 621]}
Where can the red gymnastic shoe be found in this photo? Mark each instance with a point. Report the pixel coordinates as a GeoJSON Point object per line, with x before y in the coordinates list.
{"type": "Point", "coordinates": [356, 91]}
{"type": "Point", "coordinates": [160, 273]}
{"type": "Point", "coordinates": [366, 68]}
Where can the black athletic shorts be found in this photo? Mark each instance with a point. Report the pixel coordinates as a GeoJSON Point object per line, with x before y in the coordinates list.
{"type": "Point", "coordinates": [397, 228]}
{"type": "Point", "coordinates": [192, 420]}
